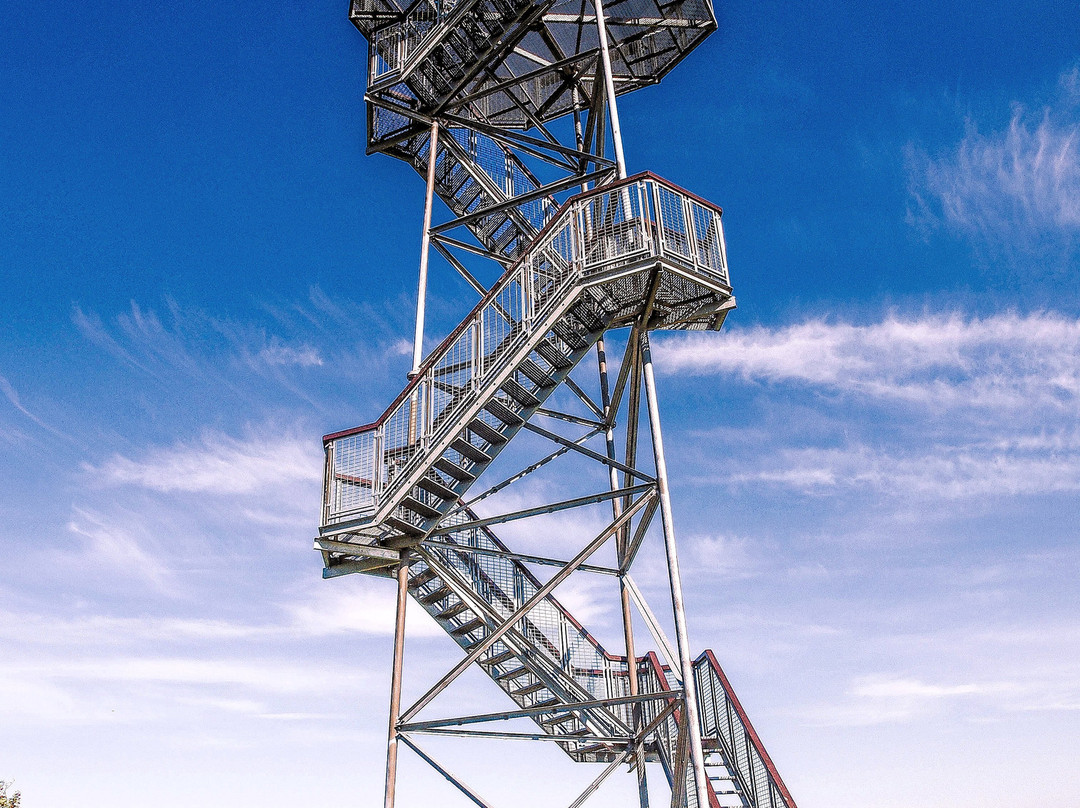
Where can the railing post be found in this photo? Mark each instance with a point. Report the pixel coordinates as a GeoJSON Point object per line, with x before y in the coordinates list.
{"type": "Point", "coordinates": [328, 481]}
{"type": "Point", "coordinates": [723, 248]}
{"type": "Point", "coordinates": [659, 210]}
{"type": "Point", "coordinates": [691, 230]}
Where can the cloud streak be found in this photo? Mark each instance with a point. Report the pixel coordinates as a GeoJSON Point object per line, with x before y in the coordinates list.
{"type": "Point", "coordinates": [1011, 190]}
{"type": "Point", "coordinates": [1002, 362]}
{"type": "Point", "coordinates": [933, 405]}
{"type": "Point", "coordinates": [217, 464]}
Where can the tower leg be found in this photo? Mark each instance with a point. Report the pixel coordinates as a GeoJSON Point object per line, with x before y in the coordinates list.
{"type": "Point", "coordinates": [693, 727]}
{"type": "Point", "coordinates": [624, 595]}
{"type": "Point", "coordinates": [609, 86]}
{"type": "Point", "coordinates": [425, 244]}
{"type": "Point", "coordinates": [395, 679]}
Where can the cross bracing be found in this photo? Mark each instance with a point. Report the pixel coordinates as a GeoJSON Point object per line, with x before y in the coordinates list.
{"type": "Point", "coordinates": [508, 109]}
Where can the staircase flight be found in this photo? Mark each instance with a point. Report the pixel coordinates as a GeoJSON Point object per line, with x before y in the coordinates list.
{"type": "Point", "coordinates": [465, 91]}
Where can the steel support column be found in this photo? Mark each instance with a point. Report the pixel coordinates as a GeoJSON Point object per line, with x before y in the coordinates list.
{"type": "Point", "coordinates": [395, 679]}
{"type": "Point", "coordinates": [425, 244]}
{"type": "Point", "coordinates": [609, 87]}
{"type": "Point", "coordinates": [697, 755]}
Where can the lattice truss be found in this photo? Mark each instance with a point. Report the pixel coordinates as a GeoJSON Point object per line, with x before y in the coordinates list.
{"type": "Point", "coordinates": [537, 416]}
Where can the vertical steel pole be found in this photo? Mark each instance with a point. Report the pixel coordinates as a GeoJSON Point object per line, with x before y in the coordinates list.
{"type": "Point", "coordinates": [624, 595]}
{"type": "Point", "coordinates": [395, 678]}
{"type": "Point", "coordinates": [425, 244]}
{"type": "Point", "coordinates": [609, 86]}
{"type": "Point", "coordinates": [697, 755]}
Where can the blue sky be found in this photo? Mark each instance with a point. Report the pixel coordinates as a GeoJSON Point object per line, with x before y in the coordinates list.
{"type": "Point", "coordinates": [877, 463]}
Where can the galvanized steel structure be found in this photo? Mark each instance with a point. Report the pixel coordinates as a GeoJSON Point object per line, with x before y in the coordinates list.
{"type": "Point", "coordinates": [508, 109]}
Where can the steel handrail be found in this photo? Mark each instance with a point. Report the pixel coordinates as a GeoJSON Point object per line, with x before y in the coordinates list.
{"type": "Point", "coordinates": [650, 217]}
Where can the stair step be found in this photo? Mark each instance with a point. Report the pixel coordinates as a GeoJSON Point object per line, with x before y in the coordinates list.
{"type": "Point", "coordinates": [593, 748]}
{"type": "Point", "coordinates": [453, 611]}
{"type": "Point", "coordinates": [514, 674]}
{"type": "Point", "coordinates": [422, 508]}
{"type": "Point", "coordinates": [402, 526]}
{"type": "Point", "coordinates": [498, 658]}
{"type": "Point", "coordinates": [435, 596]}
{"type": "Point", "coordinates": [529, 690]}
{"type": "Point", "coordinates": [519, 394]}
{"type": "Point", "coordinates": [508, 235]}
{"type": "Point", "coordinates": [470, 195]}
{"type": "Point", "coordinates": [552, 355]}
{"type": "Point", "coordinates": [422, 578]}
{"type": "Point", "coordinates": [486, 432]}
{"type": "Point", "coordinates": [433, 486]}
{"type": "Point", "coordinates": [536, 374]}
{"type": "Point", "coordinates": [503, 413]}
{"type": "Point", "coordinates": [569, 335]}
{"type": "Point", "coordinates": [452, 469]}
{"type": "Point", "coordinates": [562, 718]}
{"type": "Point", "coordinates": [463, 447]}
{"type": "Point", "coordinates": [468, 628]}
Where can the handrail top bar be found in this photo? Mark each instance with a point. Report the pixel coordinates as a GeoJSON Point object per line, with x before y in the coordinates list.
{"type": "Point", "coordinates": [435, 355]}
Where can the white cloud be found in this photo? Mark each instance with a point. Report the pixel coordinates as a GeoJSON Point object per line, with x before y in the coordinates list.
{"type": "Point", "coordinates": [112, 545]}
{"type": "Point", "coordinates": [874, 700]}
{"type": "Point", "coordinates": [338, 607]}
{"type": "Point", "coordinates": [885, 688]}
{"type": "Point", "coordinates": [218, 464]}
{"type": "Point", "coordinates": [277, 354]}
{"type": "Point", "coordinates": [1002, 362]}
{"type": "Point", "coordinates": [1015, 190]}
{"type": "Point", "coordinates": [937, 471]}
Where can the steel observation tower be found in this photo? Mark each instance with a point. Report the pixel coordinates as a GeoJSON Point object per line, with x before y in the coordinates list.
{"type": "Point", "coordinates": [508, 108]}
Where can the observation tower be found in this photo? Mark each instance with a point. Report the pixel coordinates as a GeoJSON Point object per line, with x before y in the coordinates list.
{"type": "Point", "coordinates": [537, 415]}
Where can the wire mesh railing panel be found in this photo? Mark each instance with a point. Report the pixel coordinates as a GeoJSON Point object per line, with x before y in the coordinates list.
{"type": "Point", "coordinates": [351, 473]}
{"type": "Point", "coordinates": [708, 238]}
{"type": "Point", "coordinates": [672, 224]}
{"type": "Point", "coordinates": [593, 233]}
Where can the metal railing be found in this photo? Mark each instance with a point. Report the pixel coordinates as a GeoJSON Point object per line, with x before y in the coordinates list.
{"type": "Point", "coordinates": [724, 721]}
{"type": "Point", "coordinates": [390, 46]}
{"type": "Point", "coordinates": [633, 222]}
{"type": "Point", "coordinates": [504, 584]}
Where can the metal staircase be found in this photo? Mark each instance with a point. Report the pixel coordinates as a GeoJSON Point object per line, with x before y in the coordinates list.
{"type": "Point", "coordinates": [463, 91]}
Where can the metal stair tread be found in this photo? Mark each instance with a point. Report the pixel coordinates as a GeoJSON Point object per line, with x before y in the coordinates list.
{"type": "Point", "coordinates": [468, 628]}
{"type": "Point", "coordinates": [452, 469]}
{"type": "Point", "coordinates": [503, 413]}
{"type": "Point", "coordinates": [433, 486]}
{"type": "Point", "coordinates": [519, 393]}
{"type": "Point", "coordinates": [413, 504]}
{"type": "Point", "coordinates": [463, 447]}
{"type": "Point", "coordinates": [486, 432]}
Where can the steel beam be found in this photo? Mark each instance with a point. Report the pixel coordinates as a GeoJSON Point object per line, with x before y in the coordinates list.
{"type": "Point", "coordinates": [476, 651]}
{"type": "Point", "coordinates": [697, 755]}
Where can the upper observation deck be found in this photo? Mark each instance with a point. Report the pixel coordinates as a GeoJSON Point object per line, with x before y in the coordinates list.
{"type": "Point", "coordinates": [514, 63]}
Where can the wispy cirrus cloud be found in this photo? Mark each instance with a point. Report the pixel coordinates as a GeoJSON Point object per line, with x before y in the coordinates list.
{"type": "Point", "coordinates": [882, 699]}
{"type": "Point", "coordinates": [1015, 191]}
{"type": "Point", "coordinates": [1003, 362]}
{"type": "Point", "coordinates": [933, 405]}
{"type": "Point", "coordinates": [217, 464]}
{"type": "Point", "coordinates": [934, 471]}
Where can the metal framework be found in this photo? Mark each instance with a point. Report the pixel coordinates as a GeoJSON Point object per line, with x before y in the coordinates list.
{"type": "Point", "coordinates": [508, 109]}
